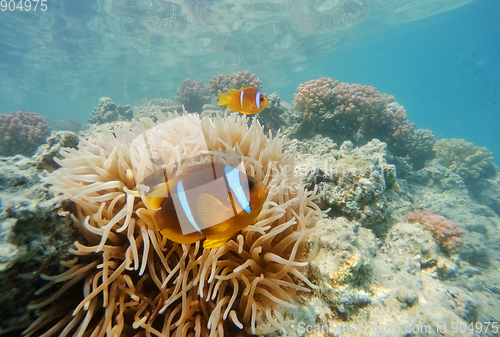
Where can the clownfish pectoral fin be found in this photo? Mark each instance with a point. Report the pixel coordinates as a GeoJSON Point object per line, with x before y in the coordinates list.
{"type": "Point", "coordinates": [212, 211]}
{"type": "Point", "coordinates": [223, 99]}
{"type": "Point", "coordinates": [215, 241]}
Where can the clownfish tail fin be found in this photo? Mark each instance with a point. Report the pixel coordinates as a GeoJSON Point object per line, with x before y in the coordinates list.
{"type": "Point", "coordinates": [222, 99]}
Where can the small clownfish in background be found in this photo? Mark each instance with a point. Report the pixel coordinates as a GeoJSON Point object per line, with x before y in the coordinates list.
{"type": "Point", "coordinates": [247, 100]}
{"type": "Point", "coordinates": [207, 200]}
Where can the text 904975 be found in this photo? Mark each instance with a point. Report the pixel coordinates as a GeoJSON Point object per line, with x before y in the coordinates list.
{"type": "Point", "coordinates": [23, 5]}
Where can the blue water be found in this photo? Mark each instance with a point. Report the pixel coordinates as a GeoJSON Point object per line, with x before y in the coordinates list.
{"type": "Point", "coordinates": [442, 68]}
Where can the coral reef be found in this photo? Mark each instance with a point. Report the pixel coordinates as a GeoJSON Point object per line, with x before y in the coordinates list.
{"type": "Point", "coordinates": [129, 279]}
{"type": "Point", "coordinates": [420, 147]}
{"type": "Point", "coordinates": [193, 94]}
{"type": "Point", "coordinates": [354, 112]}
{"type": "Point", "coordinates": [122, 278]}
{"type": "Point", "coordinates": [34, 236]}
{"type": "Point", "coordinates": [21, 133]}
{"type": "Point", "coordinates": [108, 111]}
{"type": "Point", "coordinates": [391, 281]}
{"type": "Point", "coordinates": [344, 275]}
{"type": "Point", "coordinates": [224, 83]}
{"type": "Point", "coordinates": [47, 152]}
{"type": "Point", "coordinates": [470, 161]}
{"type": "Point", "coordinates": [446, 233]}
{"type": "Point", "coordinates": [315, 99]}
{"type": "Point", "coordinates": [356, 183]}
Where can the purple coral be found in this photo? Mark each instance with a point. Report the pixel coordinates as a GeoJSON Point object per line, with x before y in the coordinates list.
{"type": "Point", "coordinates": [447, 233]}
{"type": "Point", "coordinates": [193, 94]}
{"type": "Point", "coordinates": [315, 98]}
{"type": "Point", "coordinates": [224, 83]}
{"type": "Point", "coordinates": [353, 112]}
{"type": "Point", "coordinates": [21, 133]}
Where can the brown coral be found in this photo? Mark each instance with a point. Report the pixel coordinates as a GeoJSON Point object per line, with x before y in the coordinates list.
{"type": "Point", "coordinates": [447, 233]}
{"type": "Point", "coordinates": [193, 94]}
{"type": "Point", "coordinates": [224, 83]}
{"type": "Point", "coordinates": [21, 133]}
{"type": "Point", "coordinates": [354, 112]}
{"type": "Point", "coordinates": [128, 279]}
{"type": "Point", "coordinates": [314, 98]}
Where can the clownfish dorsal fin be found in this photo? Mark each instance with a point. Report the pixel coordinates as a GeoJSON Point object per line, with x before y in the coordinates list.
{"type": "Point", "coordinates": [232, 92]}
{"type": "Point", "coordinates": [212, 211]}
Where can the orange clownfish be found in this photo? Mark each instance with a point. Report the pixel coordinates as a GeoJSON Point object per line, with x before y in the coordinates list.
{"type": "Point", "coordinates": [247, 100]}
{"type": "Point", "coordinates": [210, 200]}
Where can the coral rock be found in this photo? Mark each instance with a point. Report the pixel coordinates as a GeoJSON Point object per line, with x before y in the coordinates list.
{"type": "Point", "coordinates": [47, 152]}
{"type": "Point", "coordinates": [108, 111]}
{"type": "Point", "coordinates": [193, 94]}
{"type": "Point", "coordinates": [446, 233]}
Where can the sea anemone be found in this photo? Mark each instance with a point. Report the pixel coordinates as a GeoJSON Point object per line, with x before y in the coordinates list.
{"type": "Point", "coordinates": [128, 279]}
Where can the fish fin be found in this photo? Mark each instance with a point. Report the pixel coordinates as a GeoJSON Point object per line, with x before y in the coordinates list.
{"type": "Point", "coordinates": [154, 199]}
{"type": "Point", "coordinates": [185, 239]}
{"type": "Point", "coordinates": [223, 99]}
{"type": "Point", "coordinates": [148, 217]}
{"type": "Point", "coordinates": [214, 241]}
{"type": "Point", "coordinates": [167, 232]}
{"type": "Point", "coordinates": [212, 211]}
{"type": "Point", "coordinates": [247, 87]}
{"type": "Point", "coordinates": [233, 92]}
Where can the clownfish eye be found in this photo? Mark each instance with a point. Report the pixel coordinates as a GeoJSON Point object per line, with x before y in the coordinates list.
{"type": "Point", "coordinates": [261, 98]}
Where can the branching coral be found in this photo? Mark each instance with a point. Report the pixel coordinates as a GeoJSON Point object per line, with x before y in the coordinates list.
{"type": "Point", "coordinates": [224, 83]}
{"type": "Point", "coordinates": [470, 161]}
{"type": "Point", "coordinates": [193, 94]}
{"type": "Point", "coordinates": [129, 279]}
{"type": "Point", "coordinates": [314, 98]}
{"type": "Point", "coordinates": [21, 133]}
{"type": "Point", "coordinates": [447, 233]}
{"type": "Point", "coordinates": [421, 146]}
{"type": "Point", "coordinates": [353, 112]}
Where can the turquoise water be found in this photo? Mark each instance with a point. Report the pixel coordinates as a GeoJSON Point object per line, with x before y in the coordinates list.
{"type": "Point", "coordinates": [441, 67]}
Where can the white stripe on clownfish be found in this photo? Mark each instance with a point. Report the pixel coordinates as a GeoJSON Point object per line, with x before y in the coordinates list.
{"type": "Point", "coordinates": [234, 182]}
{"type": "Point", "coordinates": [241, 98]}
{"type": "Point", "coordinates": [185, 206]}
{"type": "Point", "coordinates": [257, 99]}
